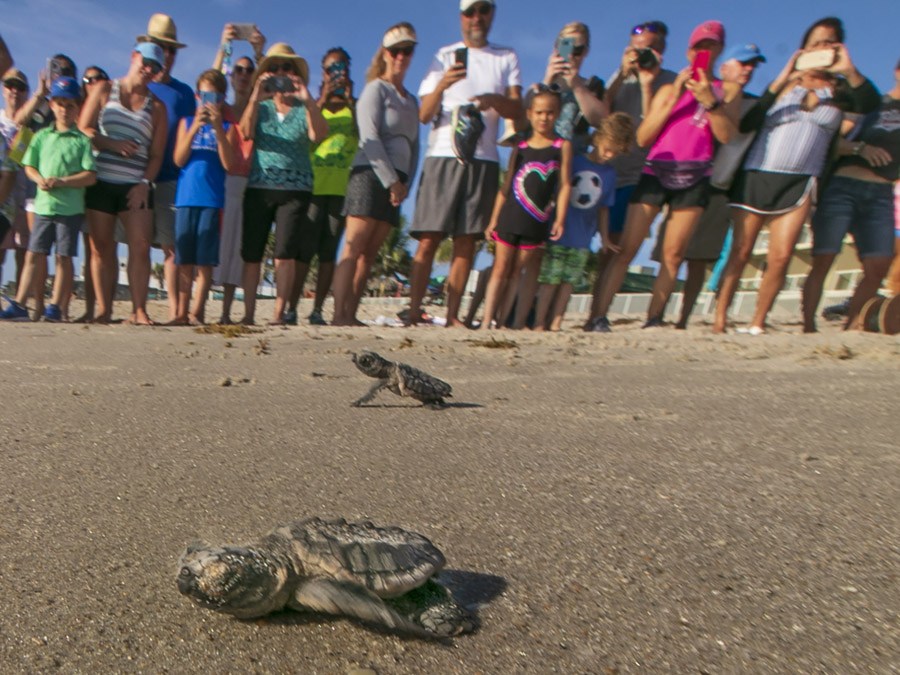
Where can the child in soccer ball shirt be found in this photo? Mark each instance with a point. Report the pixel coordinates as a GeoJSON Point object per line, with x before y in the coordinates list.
{"type": "Point", "coordinates": [593, 193]}
{"type": "Point", "coordinates": [205, 151]}
{"type": "Point", "coordinates": [60, 162]}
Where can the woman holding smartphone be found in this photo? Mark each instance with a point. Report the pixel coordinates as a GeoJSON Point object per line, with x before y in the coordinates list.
{"type": "Point", "coordinates": [797, 118]}
{"type": "Point", "coordinates": [283, 120]}
{"type": "Point", "coordinates": [684, 121]}
{"type": "Point", "coordinates": [383, 169]}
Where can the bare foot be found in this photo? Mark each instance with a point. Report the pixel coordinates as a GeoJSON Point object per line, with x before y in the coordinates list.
{"type": "Point", "coordinates": [139, 318]}
{"type": "Point", "coordinates": [87, 317]}
{"type": "Point", "coordinates": [455, 323]}
{"type": "Point", "coordinates": [248, 321]}
{"type": "Point", "coordinates": [178, 321]}
{"type": "Point", "coordinates": [195, 320]}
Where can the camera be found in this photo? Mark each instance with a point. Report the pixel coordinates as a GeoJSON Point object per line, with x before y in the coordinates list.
{"type": "Point", "coordinates": [646, 59]}
{"type": "Point", "coordinates": [280, 84]}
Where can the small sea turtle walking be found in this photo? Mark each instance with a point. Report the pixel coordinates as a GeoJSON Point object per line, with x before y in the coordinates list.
{"type": "Point", "coordinates": [401, 379]}
{"type": "Point", "coordinates": [382, 575]}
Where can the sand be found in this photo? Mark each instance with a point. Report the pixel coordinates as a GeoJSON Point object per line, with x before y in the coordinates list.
{"type": "Point", "coordinates": [645, 501]}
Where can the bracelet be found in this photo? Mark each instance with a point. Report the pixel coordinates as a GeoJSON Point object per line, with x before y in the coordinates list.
{"type": "Point", "coordinates": [858, 148]}
{"type": "Point", "coordinates": [715, 106]}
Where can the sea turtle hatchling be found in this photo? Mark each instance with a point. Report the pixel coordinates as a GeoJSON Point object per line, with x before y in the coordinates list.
{"type": "Point", "coordinates": [401, 379]}
{"type": "Point", "coordinates": [381, 575]}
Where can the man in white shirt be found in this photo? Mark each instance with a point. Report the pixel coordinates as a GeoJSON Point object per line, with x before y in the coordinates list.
{"type": "Point", "coordinates": [456, 196]}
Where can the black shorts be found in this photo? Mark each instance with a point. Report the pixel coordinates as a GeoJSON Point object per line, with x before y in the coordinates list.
{"type": "Point", "coordinates": [368, 198]}
{"type": "Point", "coordinates": [287, 208]}
{"type": "Point", "coordinates": [650, 191]}
{"type": "Point", "coordinates": [769, 193]}
{"type": "Point", "coordinates": [111, 197]}
{"type": "Point", "coordinates": [517, 240]}
{"type": "Point", "coordinates": [323, 229]}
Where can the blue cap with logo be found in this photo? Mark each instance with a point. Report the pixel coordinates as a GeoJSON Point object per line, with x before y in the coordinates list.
{"type": "Point", "coordinates": [152, 51]}
{"type": "Point", "coordinates": [65, 87]}
{"type": "Point", "coordinates": [743, 53]}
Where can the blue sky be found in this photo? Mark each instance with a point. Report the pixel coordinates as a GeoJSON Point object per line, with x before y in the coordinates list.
{"type": "Point", "coordinates": [103, 32]}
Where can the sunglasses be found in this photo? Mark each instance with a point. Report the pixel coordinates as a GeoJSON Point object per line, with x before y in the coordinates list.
{"type": "Point", "coordinates": [90, 79]}
{"type": "Point", "coordinates": [168, 49]}
{"type": "Point", "coordinates": [578, 50]}
{"type": "Point", "coordinates": [152, 65]}
{"type": "Point", "coordinates": [15, 84]}
{"type": "Point", "coordinates": [483, 10]}
{"type": "Point", "coordinates": [280, 68]}
{"type": "Point", "coordinates": [654, 27]}
{"type": "Point", "coordinates": [396, 51]}
{"type": "Point", "coordinates": [243, 70]}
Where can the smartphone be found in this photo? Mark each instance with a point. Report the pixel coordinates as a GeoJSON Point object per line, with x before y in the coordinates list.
{"type": "Point", "coordinates": [816, 60]}
{"type": "Point", "coordinates": [701, 62]}
{"type": "Point", "coordinates": [209, 97]}
{"type": "Point", "coordinates": [244, 31]}
{"type": "Point", "coordinates": [280, 83]}
{"type": "Point", "coordinates": [564, 47]}
{"type": "Point", "coordinates": [462, 56]}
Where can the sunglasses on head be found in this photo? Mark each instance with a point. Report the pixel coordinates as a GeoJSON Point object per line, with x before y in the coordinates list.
{"type": "Point", "coordinates": [654, 27]}
{"type": "Point", "coordinates": [152, 65]}
{"type": "Point", "coordinates": [244, 70]}
{"type": "Point", "coordinates": [396, 51]}
{"type": "Point", "coordinates": [15, 84]}
{"type": "Point", "coordinates": [483, 10]}
{"type": "Point", "coordinates": [280, 68]}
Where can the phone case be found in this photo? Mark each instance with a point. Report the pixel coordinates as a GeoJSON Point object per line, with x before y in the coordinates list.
{"type": "Point", "coordinates": [701, 62]}
{"type": "Point", "coordinates": [244, 31]}
{"type": "Point", "coordinates": [821, 58]}
{"type": "Point", "coordinates": [564, 47]}
{"type": "Point", "coordinates": [462, 56]}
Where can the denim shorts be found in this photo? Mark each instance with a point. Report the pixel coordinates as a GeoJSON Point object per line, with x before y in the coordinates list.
{"type": "Point", "coordinates": [197, 235]}
{"type": "Point", "coordinates": [862, 208]}
{"type": "Point", "coordinates": [60, 230]}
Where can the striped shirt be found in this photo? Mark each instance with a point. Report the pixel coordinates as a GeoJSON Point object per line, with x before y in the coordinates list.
{"type": "Point", "coordinates": [794, 140]}
{"type": "Point", "coordinates": [121, 124]}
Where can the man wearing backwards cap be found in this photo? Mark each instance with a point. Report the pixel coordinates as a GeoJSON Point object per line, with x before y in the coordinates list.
{"type": "Point", "coordinates": [708, 241]}
{"type": "Point", "coordinates": [455, 199]}
{"type": "Point", "coordinates": [179, 100]}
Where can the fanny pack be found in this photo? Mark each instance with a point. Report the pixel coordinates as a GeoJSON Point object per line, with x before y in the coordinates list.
{"type": "Point", "coordinates": [678, 175]}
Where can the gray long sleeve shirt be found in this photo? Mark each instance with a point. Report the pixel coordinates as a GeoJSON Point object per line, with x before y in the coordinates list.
{"type": "Point", "coordinates": [388, 132]}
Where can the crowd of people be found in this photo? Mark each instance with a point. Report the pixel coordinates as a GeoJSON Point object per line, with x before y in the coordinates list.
{"type": "Point", "coordinates": [149, 161]}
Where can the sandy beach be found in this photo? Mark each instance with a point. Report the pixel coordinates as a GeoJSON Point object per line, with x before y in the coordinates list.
{"type": "Point", "coordinates": [644, 501]}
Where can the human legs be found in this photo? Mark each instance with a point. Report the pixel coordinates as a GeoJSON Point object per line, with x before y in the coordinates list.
{"type": "Point", "coordinates": [421, 272]}
{"type": "Point", "coordinates": [812, 289]}
{"type": "Point", "coordinates": [529, 261]}
{"type": "Point", "coordinates": [204, 283]}
{"type": "Point", "coordinates": [139, 230]}
{"type": "Point", "coordinates": [102, 244]}
{"type": "Point", "coordinates": [875, 268]}
{"type": "Point", "coordinates": [460, 267]}
{"type": "Point", "coordinates": [692, 287]}
{"type": "Point", "coordinates": [746, 228]}
{"type": "Point", "coordinates": [62, 284]}
{"type": "Point", "coordinates": [784, 231]}
{"type": "Point", "coordinates": [501, 276]}
{"type": "Point", "coordinates": [357, 235]}
{"type": "Point", "coordinates": [679, 229]}
{"type": "Point", "coordinates": [364, 264]}
{"type": "Point", "coordinates": [637, 226]}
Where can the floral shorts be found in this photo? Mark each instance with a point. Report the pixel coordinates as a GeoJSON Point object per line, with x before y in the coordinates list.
{"type": "Point", "coordinates": [563, 265]}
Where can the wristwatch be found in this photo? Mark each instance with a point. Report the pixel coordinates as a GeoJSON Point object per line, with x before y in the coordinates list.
{"type": "Point", "coordinates": [149, 183]}
{"type": "Point", "coordinates": [858, 148]}
{"type": "Point", "coordinates": [714, 106]}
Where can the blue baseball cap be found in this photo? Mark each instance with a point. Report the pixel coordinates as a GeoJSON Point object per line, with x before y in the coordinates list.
{"type": "Point", "coordinates": [65, 87]}
{"type": "Point", "coordinates": [743, 53]}
{"type": "Point", "coordinates": [152, 51]}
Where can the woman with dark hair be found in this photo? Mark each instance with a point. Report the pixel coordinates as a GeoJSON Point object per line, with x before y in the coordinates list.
{"type": "Point", "coordinates": [331, 159]}
{"type": "Point", "coordinates": [127, 125]}
{"type": "Point", "coordinates": [797, 117]}
{"type": "Point", "coordinates": [388, 118]}
{"type": "Point", "coordinates": [283, 120]}
{"type": "Point", "coordinates": [859, 198]}
{"type": "Point", "coordinates": [684, 122]}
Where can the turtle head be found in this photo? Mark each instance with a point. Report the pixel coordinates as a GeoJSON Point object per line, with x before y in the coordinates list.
{"type": "Point", "coordinates": [372, 364]}
{"type": "Point", "coordinates": [230, 579]}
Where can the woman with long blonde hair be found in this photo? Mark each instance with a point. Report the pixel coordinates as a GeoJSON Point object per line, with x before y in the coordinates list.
{"type": "Point", "coordinates": [388, 118]}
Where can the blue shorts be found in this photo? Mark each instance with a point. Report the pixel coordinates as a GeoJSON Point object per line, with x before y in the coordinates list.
{"type": "Point", "coordinates": [197, 235]}
{"type": "Point", "coordinates": [61, 230]}
{"type": "Point", "coordinates": [864, 209]}
{"type": "Point", "coordinates": [619, 209]}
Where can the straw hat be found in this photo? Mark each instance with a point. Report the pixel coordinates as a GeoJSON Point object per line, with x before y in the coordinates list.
{"type": "Point", "coordinates": [162, 29]}
{"type": "Point", "coordinates": [282, 51]}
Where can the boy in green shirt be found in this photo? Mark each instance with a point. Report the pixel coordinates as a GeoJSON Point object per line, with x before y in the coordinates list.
{"type": "Point", "coordinates": [59, 160]}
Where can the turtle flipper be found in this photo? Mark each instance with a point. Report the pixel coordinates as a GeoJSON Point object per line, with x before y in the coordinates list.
{"type": "Point", "coordinates": [345, 599]}
{"type": "Point", "coordinates": [378, 386]}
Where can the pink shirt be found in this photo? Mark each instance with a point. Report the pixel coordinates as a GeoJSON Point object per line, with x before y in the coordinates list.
{"type": "Point", "coordinates": [686, 135]}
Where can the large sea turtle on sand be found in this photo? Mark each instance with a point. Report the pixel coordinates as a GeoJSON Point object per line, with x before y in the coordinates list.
{"type": "Point", "coordinates": [401, 379]}
{"type": "Point", "coordinates": [381, 575]}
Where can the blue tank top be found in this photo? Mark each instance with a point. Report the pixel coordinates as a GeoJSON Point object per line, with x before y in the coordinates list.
{"type": "Point", "coordinates": [202, 179]}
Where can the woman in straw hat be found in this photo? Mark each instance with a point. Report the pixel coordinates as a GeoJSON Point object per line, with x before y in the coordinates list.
{"type": "Point", "coordinates": [282, 119]}
{"type": "Point", "coordinates": [388, 117]}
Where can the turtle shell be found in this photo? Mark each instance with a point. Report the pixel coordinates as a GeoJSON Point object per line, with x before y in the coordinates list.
{"type": "Point", "coordinates": [389, 561]}
{"type": "Point", "coordinates": [421, 386]}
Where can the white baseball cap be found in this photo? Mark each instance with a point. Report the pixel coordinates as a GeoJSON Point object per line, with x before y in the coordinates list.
{"type": "Point", "coordinates": [465, 4]}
